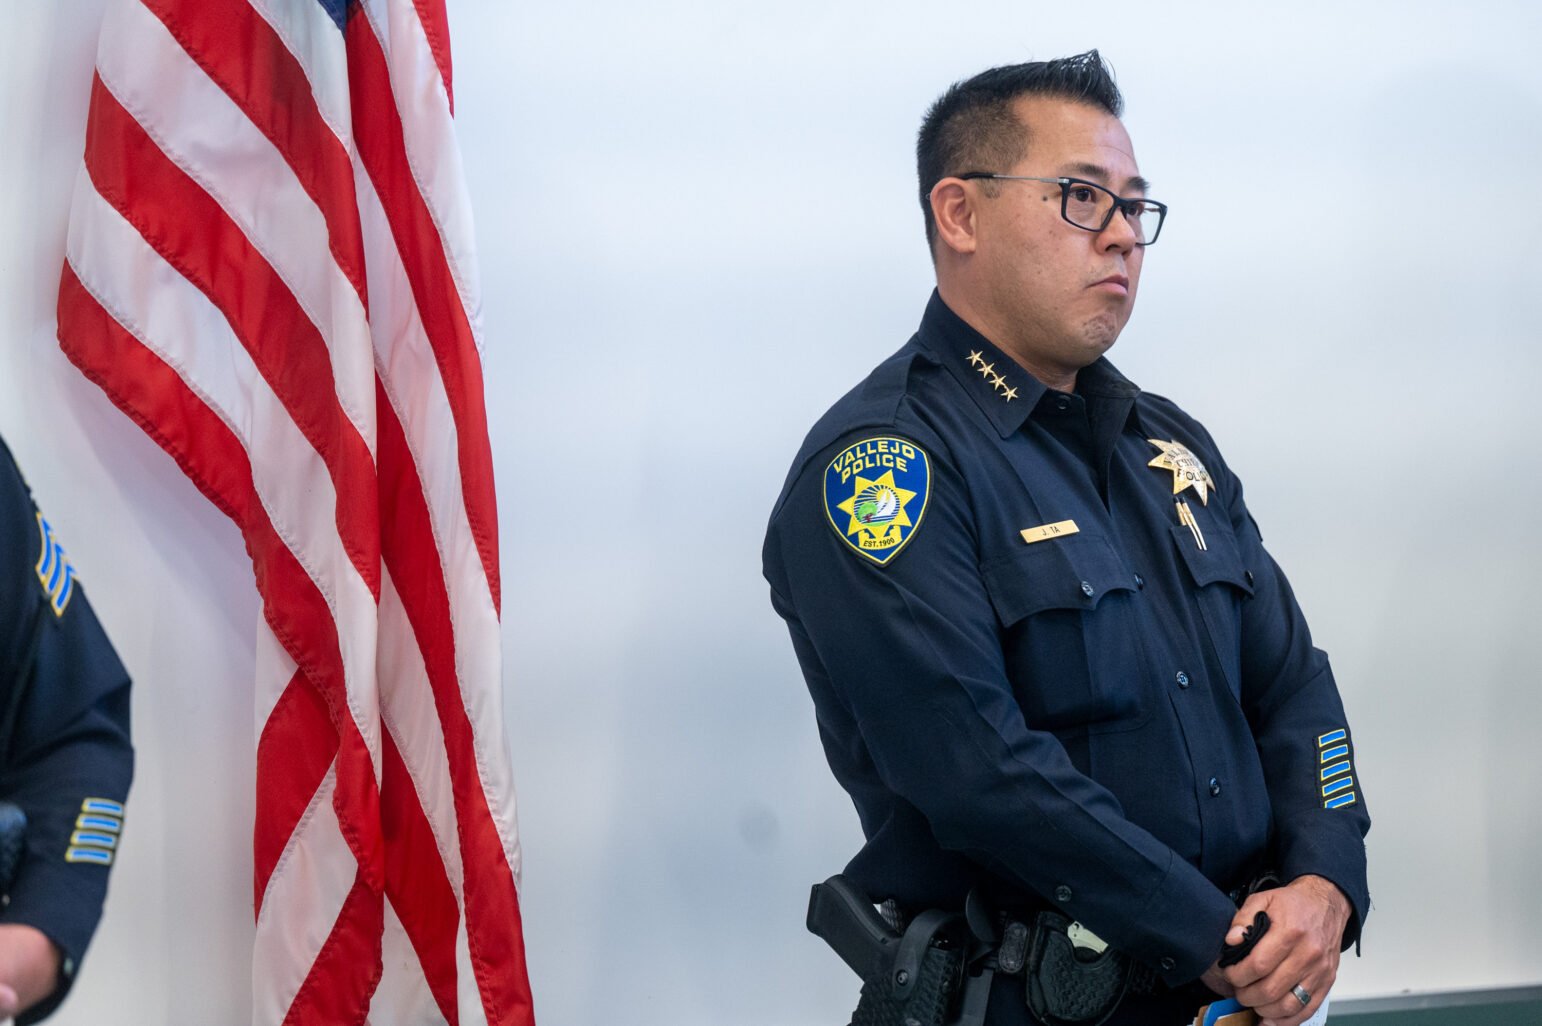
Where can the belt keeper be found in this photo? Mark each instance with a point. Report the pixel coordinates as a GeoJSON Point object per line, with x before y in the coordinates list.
{"type": "Point", "coordinates": [1014, 948]}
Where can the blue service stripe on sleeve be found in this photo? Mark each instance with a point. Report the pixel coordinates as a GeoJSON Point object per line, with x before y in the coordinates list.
{"type": "Point", "coordinates": [1341, 801]}
{"type": "Point", "coordinates": [88, 855]}
{"type": "Point", "coordinates": [64, 592]}
{"type": "Point", "coordinates": [1335, 753]}
{"type": "Point", "coordinates": [45, 563]}
{"type": "Point", "coordinates": [1338, 785]}
{"type": "Point", "coordinates": [59, 565]}
{"type": "Point", "coordinates": [98, 823]}
{"type": "Point", "coordinates": [1332, 736]}
{"type": "Point", "coordinates": [94, 840]}
{"type": "Point", "coordinates": [103, 805]}
{"type": "Point", "coordinates": [1334, 770]}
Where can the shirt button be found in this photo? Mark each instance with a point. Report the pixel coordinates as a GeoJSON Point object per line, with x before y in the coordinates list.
{"type": "Point", "coordinates": [1168, 965]}
{"type": "Point", "coordinates": [1062, 894]}
{"type": "Point", "coordinates": [1249, 575]}
{"type": "Point", "coordinates": [1140, 582]}
{"type": "Point", "coordinates": [1062, 404]}
{"type": "Point", "coordinates": [1215, 787]}
{"type": "Point", "coordinates": [1087, 589]}
{"type": "Point", "coordinates": [1183, 679]}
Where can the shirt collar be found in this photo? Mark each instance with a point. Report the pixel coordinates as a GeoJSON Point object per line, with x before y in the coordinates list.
{"type": "Point", "coordinates": [1005, 393]}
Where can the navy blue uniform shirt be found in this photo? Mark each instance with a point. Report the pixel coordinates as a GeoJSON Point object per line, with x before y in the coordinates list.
{"type": "Point", "coordinates": [1043, 665]}
{"type": "Point", "coordinates": [65, 757]}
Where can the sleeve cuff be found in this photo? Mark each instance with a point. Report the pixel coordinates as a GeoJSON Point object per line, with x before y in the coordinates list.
{"type": "Point", "coordinates": [46, 1007]}
{"type": "Point", "coordinates": [1189, 917]}
{"type": "Point", "coordinates": [1335, 852]}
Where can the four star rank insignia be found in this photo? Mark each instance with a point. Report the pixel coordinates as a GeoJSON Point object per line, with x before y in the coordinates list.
{"type": "Point", "coordinates": [875, 495]}
{"type": "Point", "coordinates": [1188, 471]}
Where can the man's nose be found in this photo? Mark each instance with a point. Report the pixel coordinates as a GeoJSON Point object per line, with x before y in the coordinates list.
{"type": "Point", "coordinates": [1119, 233]}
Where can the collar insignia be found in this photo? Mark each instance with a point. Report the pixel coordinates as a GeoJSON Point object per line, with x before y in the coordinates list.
{"type": "Point", "coordinates": [875, 495]}
{"type": "Point", "coordinates": [988, 372]}
{"type": "Point", "coordinates": [1188, 471]}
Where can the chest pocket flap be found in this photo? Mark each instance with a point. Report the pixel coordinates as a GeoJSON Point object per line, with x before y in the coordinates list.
{"type": "Point", "coordinates": [1073, 572]}
{"type": "Point", "coordinates": [1219, 562]}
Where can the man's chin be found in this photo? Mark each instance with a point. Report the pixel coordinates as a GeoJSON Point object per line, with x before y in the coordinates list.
{"type": "Point", "coordinates": [1099, 334]}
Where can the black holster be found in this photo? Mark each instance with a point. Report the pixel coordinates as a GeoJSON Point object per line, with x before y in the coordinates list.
{"type": "Point", "coordinates": [914, 978]}
{"type": "Point", "coordinates": [1065, 988]}
{"type": "Point", "coordinates": [922, 986]}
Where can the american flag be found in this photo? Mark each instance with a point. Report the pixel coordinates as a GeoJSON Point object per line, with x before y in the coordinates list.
{"type": "Point", "coordinates": [270, 268]}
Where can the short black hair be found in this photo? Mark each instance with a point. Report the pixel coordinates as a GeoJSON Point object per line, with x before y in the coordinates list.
{"type": "Point", "coordinates": [972, 126]}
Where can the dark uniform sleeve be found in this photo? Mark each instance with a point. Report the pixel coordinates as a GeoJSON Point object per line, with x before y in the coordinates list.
{"type": "Point", "coordinates": [914, 650]}
{"type": "Point", "coordinates": [1292, 703]}
{"type": "Point", "coordinates": [66, 760]}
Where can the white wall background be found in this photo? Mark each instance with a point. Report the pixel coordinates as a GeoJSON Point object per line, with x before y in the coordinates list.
{"type": "Point", "coordinates": [698, 229]}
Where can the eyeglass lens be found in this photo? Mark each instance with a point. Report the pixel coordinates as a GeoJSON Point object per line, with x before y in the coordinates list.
{"type": "Point", "coordinates": [1090, 207]}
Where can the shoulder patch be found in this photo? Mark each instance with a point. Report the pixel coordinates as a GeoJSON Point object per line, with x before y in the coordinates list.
{"type": "Point", "coordinates": [875, 495]}
{"type": "Point", "coordinates": [54, 571]}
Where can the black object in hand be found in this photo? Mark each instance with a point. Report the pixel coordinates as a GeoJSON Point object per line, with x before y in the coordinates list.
{"type": "Point", "coordinates": [13, 838]}
{"type": "Point", "coordinates": [1231, 954]}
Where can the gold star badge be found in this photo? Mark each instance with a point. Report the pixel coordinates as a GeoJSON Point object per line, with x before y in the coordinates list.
{"type": "Point", "coordinates": [877, 508]}
{"type": "Point", "coordinates": [1188, 471]}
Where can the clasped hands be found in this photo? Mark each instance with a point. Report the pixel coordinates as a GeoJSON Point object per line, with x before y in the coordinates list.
{"type": "Point", "coordinates": [29, 968]}
{"type": "Point", "coordinates": [1301, 949]}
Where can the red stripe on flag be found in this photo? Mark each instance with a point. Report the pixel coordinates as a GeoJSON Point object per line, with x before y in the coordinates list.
{"type": "Point", "coordinates": [493, 927]}
{"type": "Point", "coordinates": [378, 135]}
{"type": "Point", "coordinates": [193, 233]}
{"type": "Point", "coordinates": [96, 343]}
{"type": "Point", "coordinates": [336, 992]}
{"type": "Point", "coordinates": [159, 401]}
{"type": "Point", "coordinates": [416, 884]}
{"type": "Point", "coordinates": [246, 58]}
{"type": "Point", "coordinates": [378, 517]}
{"type": "Point", "coordinates": [293, 754]}
{"type": "Point", "coordinates": [436, 29]}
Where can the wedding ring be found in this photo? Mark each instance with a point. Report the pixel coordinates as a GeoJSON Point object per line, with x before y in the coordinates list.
{"type": "Point", "coordinates": [1301, 995]}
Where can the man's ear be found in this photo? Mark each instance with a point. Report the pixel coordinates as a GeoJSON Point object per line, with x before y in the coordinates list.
{"type": "Point", "coordinates": [954, 212]}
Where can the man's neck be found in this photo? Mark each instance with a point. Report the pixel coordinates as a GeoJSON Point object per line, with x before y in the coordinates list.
{"type": "Point", "coordinates": [1059, 378]}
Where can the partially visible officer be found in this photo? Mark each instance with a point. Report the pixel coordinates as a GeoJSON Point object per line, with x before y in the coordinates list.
{"type": "Point", "coordinates": [65, 757]}
{"type": "Point", "coordinates": [1050, 659]}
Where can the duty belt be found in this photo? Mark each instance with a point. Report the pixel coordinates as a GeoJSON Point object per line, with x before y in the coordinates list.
{"type": "Point", "coordinates": [937, 969]}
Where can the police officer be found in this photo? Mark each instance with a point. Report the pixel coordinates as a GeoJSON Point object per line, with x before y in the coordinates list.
{"type": "Point", "coordinates": [1050, 658]}
{"type": "Point", "coordinates": [65, 757]}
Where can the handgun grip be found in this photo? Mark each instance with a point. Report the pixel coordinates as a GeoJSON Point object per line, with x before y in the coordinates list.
{"type": "Point", "coordinates": [847, 921]}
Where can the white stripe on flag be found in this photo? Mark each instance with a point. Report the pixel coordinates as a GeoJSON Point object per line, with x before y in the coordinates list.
{"type": "Point", "coordinates": [304, 896]}
{"type": "Point", "coordinates": [204, 133]}
{"type": "Point", "coordinates": [406, 364]}
{"type": "Point", "coordinates": [177, 322]}
{"type": "Point", "coordinates": [429, 133]}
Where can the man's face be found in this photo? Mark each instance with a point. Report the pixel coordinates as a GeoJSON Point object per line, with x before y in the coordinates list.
{"type": "Point", "coordinates": [1060, 295]}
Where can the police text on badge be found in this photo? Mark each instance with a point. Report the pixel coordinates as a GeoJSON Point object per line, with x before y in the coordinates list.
{"type": "Point", "coordinates": [875, 495]}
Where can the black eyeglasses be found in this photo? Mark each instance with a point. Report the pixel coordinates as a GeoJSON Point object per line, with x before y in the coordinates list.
{"type": "Point", "coordinates": [1090, 207]}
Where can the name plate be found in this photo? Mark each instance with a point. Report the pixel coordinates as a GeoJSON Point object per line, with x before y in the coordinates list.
{"type": "Point", "coordinates": [1047, 531]}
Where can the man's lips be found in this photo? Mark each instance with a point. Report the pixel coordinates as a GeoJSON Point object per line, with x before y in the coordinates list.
{"type": "Point", "coordinates": [1117, 283]}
